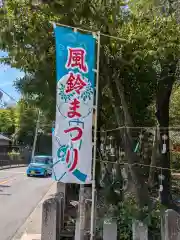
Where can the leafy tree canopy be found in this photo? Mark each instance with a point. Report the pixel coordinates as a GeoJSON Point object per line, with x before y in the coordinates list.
{"type": "Point", "coordinates": [27, 34]}
{"type": "Point", "coordinates": [7, 121]}
{"type": "Point", "coordinates": [27, 117]}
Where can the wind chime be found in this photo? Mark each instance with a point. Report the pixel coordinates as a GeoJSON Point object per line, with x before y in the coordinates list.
{"type": "Point", "coordinates": [161, 176]}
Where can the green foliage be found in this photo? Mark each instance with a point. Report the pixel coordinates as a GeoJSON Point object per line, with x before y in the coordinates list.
{"type": "Point", "coordinates": [128, 212]}
{"type": "Point", "coordinates": [7, 121]}
{"type": "Point", "coordinates": [26, 123]}
{"type": "Point", "coordinates": [27, 35]}
{"type": "Point", "coordinates": [14, 155]}
{"type": "Point", "coordinates": [175, 160]}
{"type": "Point", "coordinates": [175, 106]}
{"type": "Point", "coordinates": [20, 122]}
{"type": "Point", "coordinates": [27, 117]}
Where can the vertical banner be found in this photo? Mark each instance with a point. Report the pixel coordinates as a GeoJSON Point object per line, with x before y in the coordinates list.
{"type": "Point", "coordinates": [72, 138]}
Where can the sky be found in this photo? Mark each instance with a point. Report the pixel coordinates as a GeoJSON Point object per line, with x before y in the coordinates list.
{"type": "Point", "coordinates": [7, 77]}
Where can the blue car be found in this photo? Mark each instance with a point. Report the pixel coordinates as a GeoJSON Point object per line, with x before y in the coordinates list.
{"type": "Point", "coordinates": [40, 165]}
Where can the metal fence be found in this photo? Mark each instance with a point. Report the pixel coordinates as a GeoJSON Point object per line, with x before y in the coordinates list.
{"type": "Point", "coordinates": [6, 159]}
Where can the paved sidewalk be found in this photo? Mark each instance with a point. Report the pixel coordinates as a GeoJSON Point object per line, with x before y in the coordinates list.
{"type": "Point", "coordinates": [31, 230]}
{"type": "Point", "coordinates": [12, 166]}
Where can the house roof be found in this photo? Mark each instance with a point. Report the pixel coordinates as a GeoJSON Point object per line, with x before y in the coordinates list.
{"type": "Point", "coordinates": [4, 138]}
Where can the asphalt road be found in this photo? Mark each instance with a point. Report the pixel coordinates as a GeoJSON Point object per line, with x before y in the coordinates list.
{"type": "Point", "coordinates": [19, 195]}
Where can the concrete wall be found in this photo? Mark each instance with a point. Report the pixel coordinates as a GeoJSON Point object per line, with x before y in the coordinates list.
{"type": "Point", "coordinates": [4, 142]}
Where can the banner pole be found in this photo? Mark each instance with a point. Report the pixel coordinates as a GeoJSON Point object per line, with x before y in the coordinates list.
{"type": "Point", "coordinates": [92, 232]}
{"type": "Point", "coordinates": [81, 212]}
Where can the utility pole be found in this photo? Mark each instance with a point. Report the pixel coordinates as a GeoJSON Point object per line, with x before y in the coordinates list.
{"type": "Point", "coordinates": [36, 134]}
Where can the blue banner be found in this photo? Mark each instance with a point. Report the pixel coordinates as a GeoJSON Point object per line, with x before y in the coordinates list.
{"type": "Point", "coordinates": [75, 63]}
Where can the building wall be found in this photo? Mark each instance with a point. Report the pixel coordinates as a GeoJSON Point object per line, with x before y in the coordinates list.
{"type": "Point", "coordinates": [4, 142]}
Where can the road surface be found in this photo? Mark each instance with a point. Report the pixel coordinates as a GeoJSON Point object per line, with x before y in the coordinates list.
{"type": "Point", "coordinates": [19, 196]}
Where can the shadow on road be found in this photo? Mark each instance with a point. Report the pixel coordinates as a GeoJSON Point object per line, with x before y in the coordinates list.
{"type": "Point", "coordinates": [5, 194]}
{"type": "Point", "coordinates": [4, 186]}
{"type": "Point", "coordinates": [39, 177]}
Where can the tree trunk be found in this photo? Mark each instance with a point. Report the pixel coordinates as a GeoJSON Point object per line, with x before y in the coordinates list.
{"type": "Point", "coordinates": [164, 90]}
{"type": "Point", "coordinates": [141, 190]}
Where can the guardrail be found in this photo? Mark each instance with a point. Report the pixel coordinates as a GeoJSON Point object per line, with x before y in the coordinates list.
{"type": "Point", "coordinates": [11, 164]}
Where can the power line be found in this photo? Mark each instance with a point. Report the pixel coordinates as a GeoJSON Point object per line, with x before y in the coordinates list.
{"type": "Point", "coordinates": [2, 105]}
{"type": "Point", "coordinates": [11, 97]}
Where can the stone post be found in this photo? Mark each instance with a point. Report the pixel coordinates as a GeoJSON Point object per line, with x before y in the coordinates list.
{"type": "Point", "coordinates": [140, 230]}
{"type": "Point", "coordinates": [61, 196]}
{"type": "Point", "coordinates": [49, 219]}
{"type": "Point", "coordinates": [171, 225]}
{"type": "Point", "coordinates": [110, 230]}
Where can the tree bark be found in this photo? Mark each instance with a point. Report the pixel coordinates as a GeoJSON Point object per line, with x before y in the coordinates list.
{"type": "Point", "coordinates": [141, 190]}
{"type": "Point", "coordinates": [164, 90]}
